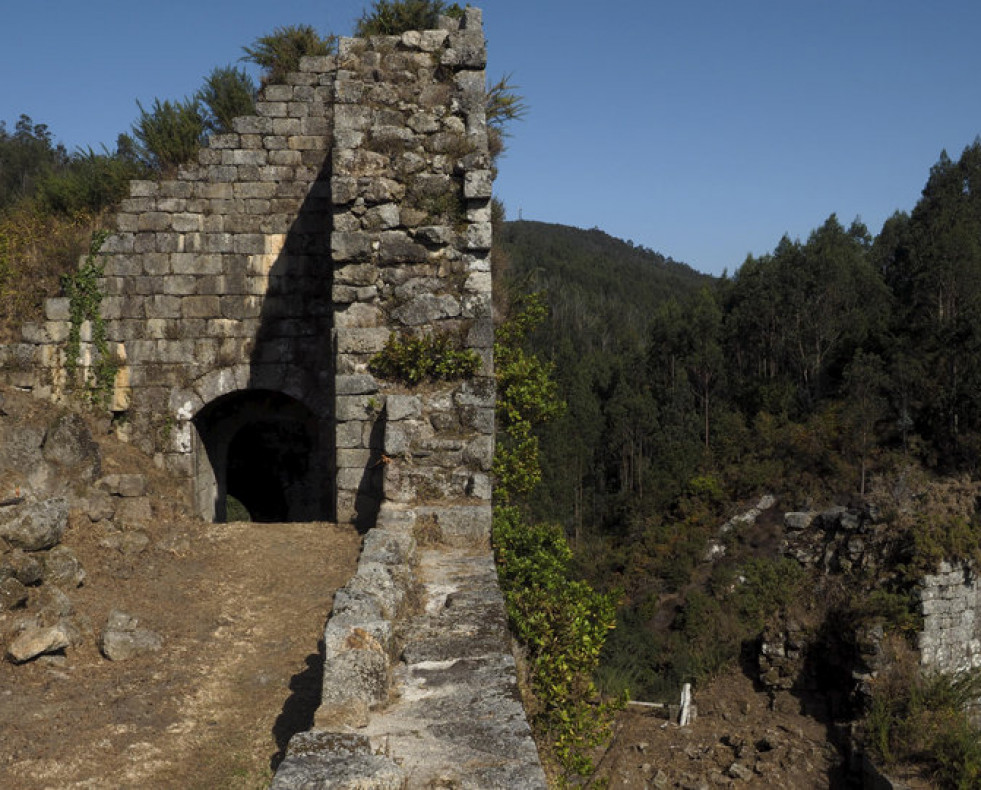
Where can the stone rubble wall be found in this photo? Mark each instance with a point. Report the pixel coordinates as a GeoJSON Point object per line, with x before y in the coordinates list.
{"type": "Point", "coordinates": [411, 248]}
{"type": "Point", "coordinates": [948, 600]}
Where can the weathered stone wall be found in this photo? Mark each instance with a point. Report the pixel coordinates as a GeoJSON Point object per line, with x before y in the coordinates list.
{"type": "Point", "coordinates": [411, 191]}
{"type": "Point", "coordinates": [255, 285]}
{"type": "Point", "coordinates": [949, 600]}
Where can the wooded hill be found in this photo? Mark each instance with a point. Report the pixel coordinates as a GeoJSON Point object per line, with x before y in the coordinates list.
{"type": "Point", "coordinates": [823, 372]}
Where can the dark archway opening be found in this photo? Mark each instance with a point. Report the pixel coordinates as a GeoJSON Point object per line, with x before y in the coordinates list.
{"type": "Point", "coordinates": [263, 459]}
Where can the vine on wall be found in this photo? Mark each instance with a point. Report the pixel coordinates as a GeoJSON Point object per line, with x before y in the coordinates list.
{"type": "Point", "coordinates": [84, 299]}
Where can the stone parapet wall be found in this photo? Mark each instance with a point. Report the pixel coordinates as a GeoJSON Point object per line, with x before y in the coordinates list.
{"type": "Point", "coordinates": [419, 687]}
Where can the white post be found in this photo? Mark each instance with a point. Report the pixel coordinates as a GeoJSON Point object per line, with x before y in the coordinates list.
{"type": "Point", "coordinates": [684, 718]}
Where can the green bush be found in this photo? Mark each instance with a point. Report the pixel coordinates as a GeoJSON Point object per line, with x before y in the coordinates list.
{"type": "Point", "coordinates": [82, 289]}
{"type": "Point", "coordinates": [414, 360]}
{"type": "Point", "coordinates": [228, 93]}
{"type": "Point", "coordinates": [563, 624]}
{"type": "Point", "coordinates": [925, 720]}
{"type": "Point", "coordinates": [527, 396]}
{"type": "Point", "coordinates": [169, 134]}
{"type": "Point", "coordinates": [90, 183]}
{"type": "Point", "coordinates": [279, 52]}
{"type": "Point", "coordinates": [391, 17]}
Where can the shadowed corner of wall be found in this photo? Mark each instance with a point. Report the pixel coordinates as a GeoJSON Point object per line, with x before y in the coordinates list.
{"type": "Point", "coordinates": [371, 488]}
{"type": "Point", "coordinates": [292, 352]}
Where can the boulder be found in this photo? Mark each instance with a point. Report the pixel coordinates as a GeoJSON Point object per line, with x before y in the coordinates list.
{"type": "Point", "coordinates": [98, 506]}
{"type": "Point", "coordinates": [25, 567]}
{"type": "Point", "coordinates": [35, 641]}
{"type": "Point", "coordinates": [52, 604]}
{"type": "Point", "coordinates": [123, 639]}
{"type": "Point", "coordinates": [798, 521]}
{"type": "Point", "coordinates": [69, 443]}
{"type": "Point", "coordinates": [37, 525]}
{"type": "Point", "coordinates": [62, 567]}
{"type": "Point", "coordinates": [13, 594]}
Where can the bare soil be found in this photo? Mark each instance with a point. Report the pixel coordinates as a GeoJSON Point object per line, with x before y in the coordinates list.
{"type": "Point", "coordinates": [240, 607]}
{"type": "Point", "coordinates": [241, 610]}
{"type": "Point", "coordinates": [741, 738]}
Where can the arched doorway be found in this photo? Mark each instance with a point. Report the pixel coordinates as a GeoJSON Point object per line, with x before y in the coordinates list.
{"type": "Point", "coordinates": [263, 459]}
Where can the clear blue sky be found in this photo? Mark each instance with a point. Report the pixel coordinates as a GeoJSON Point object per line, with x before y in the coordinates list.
{"type": "Point", "coordinates": [703, 129]}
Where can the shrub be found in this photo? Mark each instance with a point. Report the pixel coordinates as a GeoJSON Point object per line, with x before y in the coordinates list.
{"type": "Point", "coordinates": [36, 249]}
{"type": "Point", "coordinates": [279, 52]}
{"type": "Point", "coordinates": [228, 93]}
{"type": "Point", "coordinates": [563, 624]}
{"type": "Point", "coordinates": [925, 720]}
{"type": "Point", "coordinates": [91, 183]}
{"type": "Point", "coordinates": [170, 134]}
{"type": "Point", "coordinates": [82, 289]}
{"type": "Point", "coordinates": [527, 396]}
{"type": "Point", "coordinates": [391, 17]}
{"type": "Point", "coordinates": [414, 360]}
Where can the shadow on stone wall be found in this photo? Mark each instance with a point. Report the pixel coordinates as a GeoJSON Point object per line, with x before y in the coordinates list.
{"type": "Point", "coordinates": [292, 351]}
{"type": "Point", "coordinates": [368, 502]}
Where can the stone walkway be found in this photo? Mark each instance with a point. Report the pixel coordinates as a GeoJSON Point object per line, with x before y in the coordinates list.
{"type": "Point", "coordinates": [445, 712]}
{"type": "Point", "coordinates": [458, 720]}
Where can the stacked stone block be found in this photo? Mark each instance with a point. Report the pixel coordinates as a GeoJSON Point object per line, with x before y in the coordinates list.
{"type": "Point", "coordinates": [411, 194]}
{"type": "Point", "coordinates": [218, 279]}
{"type": "Point", "coordinates": [951, 637]}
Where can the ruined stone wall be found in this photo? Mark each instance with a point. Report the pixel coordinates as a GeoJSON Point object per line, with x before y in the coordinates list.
{"type": "Point", "coordinates": [354, 206]}
{"type": "Point", "coordinates": [949, 601]}
{"type": "Point", "coordinates": [411, 192]}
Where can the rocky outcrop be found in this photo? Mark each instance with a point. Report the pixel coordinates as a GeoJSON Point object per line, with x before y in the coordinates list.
{"type": "Point", "coordinates": [50, 484]}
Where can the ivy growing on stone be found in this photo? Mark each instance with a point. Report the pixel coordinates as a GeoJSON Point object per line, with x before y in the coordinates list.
{"type": "Point", "coordinates": [84, 299]}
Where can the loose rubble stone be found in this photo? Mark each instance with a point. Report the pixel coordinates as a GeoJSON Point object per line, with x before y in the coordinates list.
{"type": "Point", "coordinates": [133, 512]}
{"type": "Point", "coordinates": [123, 485]}
{"type": "Point", "coordinates": [128, 543]}
{"type": "Point", "coordinates": [37, 525]}
{"type": "Point", "coordinates": [123, 639]}
{"type": "Point", "coordinates": [798, 521]}
{"type": "Point", "coordinates": [52, 604]}
{"type": "Point", "coordinates": [62, 567]}
{"type": "Point", "coordinates": [25, 567]}
{"type": "Point", "coordinates": [37, 641]}
{"type": "Point", "coordinates": [13, 594]}
{"type": "Point", "coordinates": [98, 506]}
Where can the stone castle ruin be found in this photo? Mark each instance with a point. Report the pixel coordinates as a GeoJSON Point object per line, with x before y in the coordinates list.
{"type": "Point", "coordinates": [243, 300]}
{"type": "Point", "coordinates": [244, 297]}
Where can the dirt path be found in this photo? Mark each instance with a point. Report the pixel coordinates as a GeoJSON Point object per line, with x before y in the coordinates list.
{"type": "Point", "coordinates": [240, 607]}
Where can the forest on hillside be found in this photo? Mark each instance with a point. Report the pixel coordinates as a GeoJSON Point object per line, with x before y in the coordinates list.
{"type": "Point", "coordinates": [822, 373]}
